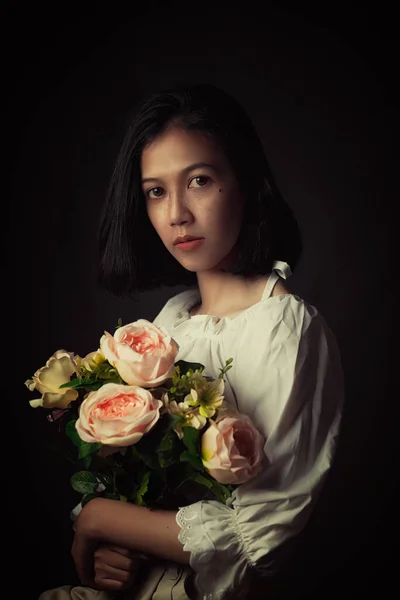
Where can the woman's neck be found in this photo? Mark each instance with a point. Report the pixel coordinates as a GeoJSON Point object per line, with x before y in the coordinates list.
{"type": "Point", "coordinates": [223, 294]}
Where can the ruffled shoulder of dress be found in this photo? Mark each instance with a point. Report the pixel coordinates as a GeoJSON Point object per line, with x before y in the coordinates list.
{"type": "Point", "coordinates": [173, 307]}
{"type": "Point", "coordinates": [269, 310]}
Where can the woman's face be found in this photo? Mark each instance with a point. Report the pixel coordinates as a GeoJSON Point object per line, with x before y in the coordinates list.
{"type": "Point", "coordinates": [191, 189]}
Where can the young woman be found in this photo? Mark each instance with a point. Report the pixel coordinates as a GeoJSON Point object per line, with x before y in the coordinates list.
{"type": "Point", "coordinates": [191, 167]}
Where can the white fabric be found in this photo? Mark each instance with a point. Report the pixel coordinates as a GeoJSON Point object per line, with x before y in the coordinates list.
{"type": "Point", "coordinates": [287, 376]}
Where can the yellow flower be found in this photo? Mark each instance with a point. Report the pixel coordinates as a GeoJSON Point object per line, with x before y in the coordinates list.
{"type": "Point", "coordinates": [195, 419]}
{"type": "Point", "coordinates": [207, 394]}
{"type": "Point", "coordinates": [190, 416]}
{"type": "Point", "coordinates": [192, 399]}
{"type": "Point", "coordinates": [191, 419]}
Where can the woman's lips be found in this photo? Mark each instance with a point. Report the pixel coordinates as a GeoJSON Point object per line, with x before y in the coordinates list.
{"type": "Point", "coordinates": [192, 245]}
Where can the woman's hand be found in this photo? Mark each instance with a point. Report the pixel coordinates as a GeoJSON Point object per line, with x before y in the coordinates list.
{"type": "Point", "coordinates": [114, 568]}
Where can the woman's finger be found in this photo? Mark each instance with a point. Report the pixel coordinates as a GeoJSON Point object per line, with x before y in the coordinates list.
{"type": "Point", "coordinates": [123, 551]}
{"type": "Point", "coordinates": [107, 556]}
{"type": "Point", "coordinates": [126, 552]}
{"type": "Point", "coordinates": [106, 571]}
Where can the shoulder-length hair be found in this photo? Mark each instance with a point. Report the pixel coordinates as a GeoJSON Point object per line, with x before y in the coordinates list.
{"type": "Point", "coordinates": [132, 257]}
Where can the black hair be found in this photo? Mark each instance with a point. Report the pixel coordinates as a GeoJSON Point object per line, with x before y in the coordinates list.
{"type": "Point", "coordinates": [132, 257]}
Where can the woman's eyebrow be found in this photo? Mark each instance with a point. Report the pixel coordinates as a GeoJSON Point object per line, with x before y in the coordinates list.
{"type": "Point", "coordinates": [186, 170]}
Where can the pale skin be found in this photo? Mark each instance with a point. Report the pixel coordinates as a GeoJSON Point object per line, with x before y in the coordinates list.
{"type": "Point", "coordinates": [182, 198]}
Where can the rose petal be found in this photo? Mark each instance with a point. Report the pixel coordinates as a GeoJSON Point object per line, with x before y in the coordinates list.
{"type": "Point", "coordinates": [36, 403]}
{"type": "Point", "coordinates": [50, 400]}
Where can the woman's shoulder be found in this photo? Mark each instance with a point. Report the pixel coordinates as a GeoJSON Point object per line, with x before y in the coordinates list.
{"type": "Point", "coordinates": [280, 288]}
{"type": "Point", "coordinates": [176, 303]}
{"type": "Point", "coordinates": [181, 299]}
{"type": "Point", "coordinates": [285, 312]}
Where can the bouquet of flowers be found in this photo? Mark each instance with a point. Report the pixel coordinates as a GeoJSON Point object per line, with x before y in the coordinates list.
{"type": "Point", "coordinates": [143, 428]}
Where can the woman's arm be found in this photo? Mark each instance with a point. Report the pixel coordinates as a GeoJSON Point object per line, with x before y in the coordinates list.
{"type": "Point", "coordinates": [136, 528]}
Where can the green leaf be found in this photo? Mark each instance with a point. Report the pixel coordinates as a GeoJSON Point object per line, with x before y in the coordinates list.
{"type": "Point", "coordinates": [202, 480]}
{"type": "Point", "coordinates": [157, 490]}
{"type": "Point", "coordinates": [167, 441]}
{"type": "Point", "coordinates": [150, 459]}
{"type": "Point", "coordinates": [192, 459]}
{"type": "Point", "coordinates": [84, 482]}
{"type": "Point", "coordinates": [220, 491]}
{"type": "Point", "coordinates": [86, 461]}
{"type": "Point", "coordinates": [72, 433]}
{"type": "Point", "coordinates": [144, 486]}
{"type": "Point", "coordinates": [172, 420]}
{"type": "Point", "coordinates": [162, 438]}
{"type": "Point", "coordinates": [86, 449]}
{"type": "Point", "coordinates": [134, 454]}
{"type": "Point", "coordinates": [96, 385]}
{"type": "Point", "coordinates": [78, 383]}
{"type": "Point", "coordinates": [169, 447]}
{"type": "Point", "coordinates": [165, 460]}
{"type": "Point", "coordinates": [191, 437]}
{"type": "Point", "coordinates": [184, 366]}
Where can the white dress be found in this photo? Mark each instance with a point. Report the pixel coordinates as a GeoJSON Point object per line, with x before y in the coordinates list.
{"type": "Point", "coordinates": [287, 376]}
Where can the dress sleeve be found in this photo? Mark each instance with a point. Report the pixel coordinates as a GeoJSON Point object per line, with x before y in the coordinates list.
{"type": "Point", "coordinates": [293, 390]}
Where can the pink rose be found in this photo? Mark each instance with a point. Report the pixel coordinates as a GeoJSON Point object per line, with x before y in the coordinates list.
{"type": "Point", "coordinates": [117, 415]}
{"type": "Point", "coordinates": [232, 449]}
{"type": "Point", "coordinates": [142, 353]}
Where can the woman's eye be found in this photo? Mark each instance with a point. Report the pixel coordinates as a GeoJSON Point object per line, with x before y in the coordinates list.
{"type": "Point", "coordinates": [199, 181]}
{"type": "Point", "coordinates": [155, 192]}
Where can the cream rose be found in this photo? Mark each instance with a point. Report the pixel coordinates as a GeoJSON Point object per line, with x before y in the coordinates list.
{"type": "Point", "coordinates": [117, 415]}
{"type": "Point", "coordinates": [47, 380]}
{"type": "Point", "coordinates": [91, 361]}
{"type": "Point", "coordinates": [232, 449]}
{"type": "Point", "coordinates": [142, 353]}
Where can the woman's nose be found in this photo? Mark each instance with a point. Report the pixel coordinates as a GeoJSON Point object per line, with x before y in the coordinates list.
{"type": "Point", "coordinates": [179, 211]}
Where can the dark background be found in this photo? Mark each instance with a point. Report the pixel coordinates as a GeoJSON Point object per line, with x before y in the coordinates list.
{"type": "Point", "coordinates": [320, 85]}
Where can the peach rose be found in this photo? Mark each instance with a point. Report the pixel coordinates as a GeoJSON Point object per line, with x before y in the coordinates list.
{"type": "Point", "coordinates": [142, 353]}
{"type": "Point", "coordinates": [232, 449]}
{"type": "Point", "coordinates": [47, 380]}
{"type": "Point", "coordinates": [117, 415]}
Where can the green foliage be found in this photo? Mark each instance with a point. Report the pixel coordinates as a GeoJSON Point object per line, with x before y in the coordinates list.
{"type": "Point", "coordinates": [84, 448]}
{"type": "Point", "coordinates": [191, 439]}
{"type": "Point", "coordinates": [84, 482]}
{"type": "Point", "coordinates": [143, 488]}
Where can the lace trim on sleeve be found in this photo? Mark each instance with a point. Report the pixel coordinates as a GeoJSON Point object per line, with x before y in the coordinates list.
{"type": "Point", "coordinates": [201, 537]}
